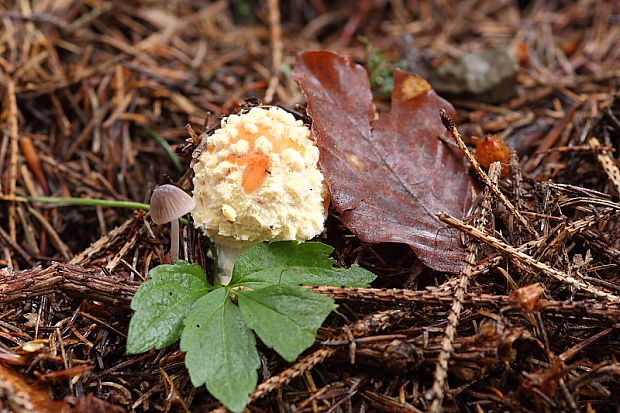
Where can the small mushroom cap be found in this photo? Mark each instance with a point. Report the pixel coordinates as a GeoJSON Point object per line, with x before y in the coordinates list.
{"type": "Point", "coordinates": [169, 202]}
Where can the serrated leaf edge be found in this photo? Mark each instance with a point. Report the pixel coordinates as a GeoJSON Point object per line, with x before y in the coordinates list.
{"type": "Point", "coordinates": [313, 333]}
{"type": "Point", "coordinates": [203, 291]}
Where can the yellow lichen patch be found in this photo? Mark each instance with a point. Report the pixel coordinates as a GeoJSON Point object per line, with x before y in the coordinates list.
{"type": "Point", "coordinates": [413, 86]}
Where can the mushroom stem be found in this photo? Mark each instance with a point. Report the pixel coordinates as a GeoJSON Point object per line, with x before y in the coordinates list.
{"type": "Point", "coordinates": [226, 258]}
{"type": "Point", "coordinates": [174, 240]}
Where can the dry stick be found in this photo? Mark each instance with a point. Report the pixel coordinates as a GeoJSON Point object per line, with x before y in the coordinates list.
{"type": "Point", "coordinates": [607, 163]}
{"type": "Point", "coordinates": [72, 279]}
{"type": "Point", "coordinates": [604, 248]}
{"type": "Point", "coordinates": [451, 127]}
{"type": "Point", "coordinates": [441, 368]}
{"type": "Point", "coordinates": [300, 367]}
{"type": "Point", "coordinates": [125, 249]}
{"type": "Point", "coordinates": [581, 148]}
{"type": "Point", "coordinates": [550, 244]}
{"type": "Point", "coordinates": [102, 243]}
{"type": "Point", "coordinates": [360, 328]}
{"type": "Point", "coordinates": [275, 28]}
{"type": "Point", "coordinates": [571, 352]}
{"type": "Point", "coordinates": [13, 136]}
{"type": "Point", "coordinates": [55, 238]}
{"type": "Point", "coordinates": [517, 178]}
{"type": "Point", "coordinates": [572, 228]}
{"type": "Point", "coordinates": [607, 311]}
{"type": "Point", "coordinates": [517, 190]}
{"type": "Point", "coordinates": [18, 249]}
{"type": "Point", "coordinates": [31, 90]}
{"type": "Point", "coordinates": [590, 201]}
{"type": "Point", "coordinates": [364, 327]}
{"type": "Point", "coordinates": [517, 255]}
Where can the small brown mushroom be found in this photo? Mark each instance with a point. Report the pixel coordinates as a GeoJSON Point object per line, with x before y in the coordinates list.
{"type": "Point", "coordinates": [168, 204]}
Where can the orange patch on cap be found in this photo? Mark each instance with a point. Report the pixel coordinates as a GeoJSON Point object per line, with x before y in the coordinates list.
{"type": "Point", "coordinates": [255, 172]}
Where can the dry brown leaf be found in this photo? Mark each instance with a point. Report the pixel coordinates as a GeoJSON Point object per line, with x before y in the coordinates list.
{"type": "Point", "coordinates": [388, 175]}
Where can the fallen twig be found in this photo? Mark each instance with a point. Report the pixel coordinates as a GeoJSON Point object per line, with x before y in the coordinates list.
{"type": "Point", "coordinates": [436, 394]}
{"type": "Point", "coordinates": [451, 127]}
{"type": "Point", "coordinates": [524, 258]}
{"type": "Point", "coordinates": [76, 280]}
{"type": "Point", "coordinates": [275, 30]}
{"type": "Point", "coordinates": [607, 163]}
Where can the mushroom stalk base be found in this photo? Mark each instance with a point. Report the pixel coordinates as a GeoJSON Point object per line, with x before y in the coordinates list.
{"type": "Point", "coordinates": [226, 258]}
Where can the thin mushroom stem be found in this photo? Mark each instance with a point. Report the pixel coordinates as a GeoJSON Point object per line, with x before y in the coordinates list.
{"type": "Point", "coordinates": [174, 240]}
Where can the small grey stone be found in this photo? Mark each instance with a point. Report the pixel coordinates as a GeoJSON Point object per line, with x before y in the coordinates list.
{"type": "Point", "coordinates": [489, 76]}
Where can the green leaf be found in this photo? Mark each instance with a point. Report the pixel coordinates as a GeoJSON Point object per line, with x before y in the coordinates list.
{"type": "Point", "coordinates": [290, 262]}
{"type": "Point", "coordinates": [162, 302]}
{"type": "Point", "coordinates": [285, 317]}
{"type": "Point", "coordinates": [221, 350]}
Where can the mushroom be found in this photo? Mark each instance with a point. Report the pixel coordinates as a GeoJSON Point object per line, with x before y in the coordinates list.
{"type": "Point", "coordinates": [168, 204]}
{"type": "Point", "coordinates": [257, 179]}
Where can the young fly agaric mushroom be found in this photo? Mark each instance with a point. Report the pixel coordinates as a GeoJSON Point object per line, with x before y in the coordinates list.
{"type": "Point", "coordinates": [168, 204]}
{"type": "Point", "coordinates": [256, 180]}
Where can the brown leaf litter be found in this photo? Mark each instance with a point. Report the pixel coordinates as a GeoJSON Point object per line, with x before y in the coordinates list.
{"type": "Point", "coordinates": [529, 325]}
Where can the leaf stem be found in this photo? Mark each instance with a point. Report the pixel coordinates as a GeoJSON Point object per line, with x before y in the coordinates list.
{"type": "Point", "coordinates": [111, 203]}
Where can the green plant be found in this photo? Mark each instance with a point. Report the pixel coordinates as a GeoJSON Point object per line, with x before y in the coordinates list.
{"type": "Point", "coordinates": [380, 71]}
{"type": "Point", "coordinates": [178, 302]}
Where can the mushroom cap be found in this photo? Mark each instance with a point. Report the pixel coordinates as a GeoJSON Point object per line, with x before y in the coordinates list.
{"type": "Point", "coordinates": [257, 179]}
{"type": "Point", "coordinates": [169, 202]}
